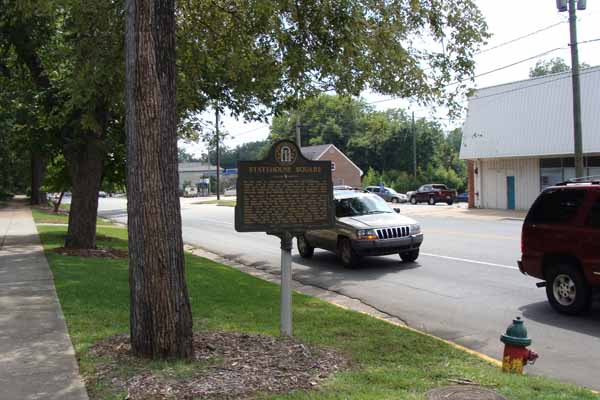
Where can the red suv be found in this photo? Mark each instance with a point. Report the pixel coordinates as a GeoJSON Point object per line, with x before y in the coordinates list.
{"type": "Point", "coordinates": [560, 244]}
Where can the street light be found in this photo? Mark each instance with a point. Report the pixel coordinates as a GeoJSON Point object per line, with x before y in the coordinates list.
{"type": "Point", "coordinates": [564, 5]}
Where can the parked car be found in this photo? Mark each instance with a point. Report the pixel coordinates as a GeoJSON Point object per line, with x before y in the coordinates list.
{"type": "Point", "coordinates": [343, 187]}
{"type": "Point", "coordinates": [432, 193]}
{"type": "Point", "coordinates": [462, 197]}
{"type": "Point", "coordinates": [388, 194]}
{"type": "Point", "coordinates": [190, 191]}
{"type": "Point", "coordinates": [102, 194]}
{"type": "Point", "coordinates": [231, 191]}
{"type": "Point", "coordinates": [560, 244]}
{"type": "Point", "coordinates": [365, 226]}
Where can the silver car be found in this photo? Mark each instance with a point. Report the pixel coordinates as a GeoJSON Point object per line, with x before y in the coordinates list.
{"type": "Point", "coordinates": [365, 226]}
{"type": "Point", "coordinates": [388, 194]}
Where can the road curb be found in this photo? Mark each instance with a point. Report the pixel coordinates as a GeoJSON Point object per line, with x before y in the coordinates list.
{"type": "Point", "coordinates": [330, 297]}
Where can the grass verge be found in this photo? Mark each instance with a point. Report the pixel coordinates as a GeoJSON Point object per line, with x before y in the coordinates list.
{"type": "Point", "coordinates": [47, 216]}
{"type": "Point", "coordinates": [388, 362]}
{"type": "Point", "coordinates": [226, 203]}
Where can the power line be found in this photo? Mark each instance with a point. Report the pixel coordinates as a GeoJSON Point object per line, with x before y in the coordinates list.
{"type": "Point", "coordinates": [253, 130]}
{"type": "Point", "coordinates": [520, 38]}
{"type": "Point", "coordinates": [512, 64]}
{"type": "Point", "coordinates": [478, 75]}
{"type": "Point", "coordinates": [483, 73]}
{"type": "Point", "coordinates": [545, 82]}
{"type": "Point", "coordinates": [589, 41]}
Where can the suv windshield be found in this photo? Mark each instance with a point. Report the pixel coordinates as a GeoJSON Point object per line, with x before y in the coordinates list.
{"type": "Point", "coordinates": [392, 191]}
{"type": "Point", "coordinates": [440, 187]}
{"type": "Point", "coordinates": [360, 205]}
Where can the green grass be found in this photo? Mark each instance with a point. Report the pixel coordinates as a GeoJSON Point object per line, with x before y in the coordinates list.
{"type": "Point", "coordinates": [387, 362]}
{"type": "Point", "coordinates": [226, 203]}
{"type": "Point", "coordinates": [46, 216]}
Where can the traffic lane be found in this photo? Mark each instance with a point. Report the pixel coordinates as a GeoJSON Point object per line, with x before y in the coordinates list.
{"type": "Point", "coordinates": [500, 226]}
{"type": "Point", "coordinates": [116, 207]}
{"type": "Point", "coordinates": [488, 248]}
{"type": "Point", "coordinates": [496, 242]}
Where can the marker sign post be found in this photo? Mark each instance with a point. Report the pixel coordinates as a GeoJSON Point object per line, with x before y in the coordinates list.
{"type": "Point", "coordinates": [284, 195]}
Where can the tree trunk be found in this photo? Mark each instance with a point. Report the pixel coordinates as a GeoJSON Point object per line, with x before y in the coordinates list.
{"type": "Point", "coordinates": [58, 201]}
{"type": "Point", "coordinates": [86, 165]}
{"type": "Point", "coordinates": [160, 314]}
{"type": "Point", "coordinates": [38, 169]}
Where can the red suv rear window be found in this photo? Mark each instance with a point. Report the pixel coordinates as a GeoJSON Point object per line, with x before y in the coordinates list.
{"type": "Point", "coordinates": [555, 206]}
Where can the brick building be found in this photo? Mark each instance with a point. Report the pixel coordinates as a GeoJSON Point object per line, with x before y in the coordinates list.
{"type": "Point", "coordinates": [343, 170]}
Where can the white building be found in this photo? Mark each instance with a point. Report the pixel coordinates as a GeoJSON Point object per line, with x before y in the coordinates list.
{"type": "Point", "coordinates": [195, 173]}
{"type": "Point", "coordinates": [518, 138]}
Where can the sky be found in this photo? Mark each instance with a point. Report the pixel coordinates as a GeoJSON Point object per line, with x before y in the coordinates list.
{"type": "Point", "coordinates": [507, 20]}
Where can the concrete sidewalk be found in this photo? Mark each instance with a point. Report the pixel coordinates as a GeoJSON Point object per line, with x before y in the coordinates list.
{"type": "Point", "coordinates": [37, 359]}
{"type": "Point", "coordinates": [461, 211]}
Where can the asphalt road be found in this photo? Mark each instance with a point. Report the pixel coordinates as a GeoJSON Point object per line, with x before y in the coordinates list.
{"type": "Point", "coordinates": [465, 287]}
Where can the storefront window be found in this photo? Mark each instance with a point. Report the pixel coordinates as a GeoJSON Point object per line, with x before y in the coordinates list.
{"type": "Point", "coordinates": [557, 170]}
{"type": "Point", "coordinates": [550, 177]}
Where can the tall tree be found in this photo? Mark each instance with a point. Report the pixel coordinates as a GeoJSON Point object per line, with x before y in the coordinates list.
{"type": "Point", "coordinates": [73, 51]}
{"type": "Point", "coordinates": [23, 33]}
{"type": "Point", "coordinates": [161, 319]}
{"type": "Point", "coordinates": [88, 72]}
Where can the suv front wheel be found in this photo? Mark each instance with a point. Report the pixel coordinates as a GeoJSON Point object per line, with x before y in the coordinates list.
{"type": "Point", "coordinates": [305, 250]}
{"type": "Point", "coordinates": [410, 256]}
{"type": "Point", "coordinates": [567, 290]}
{"type": "Point", "coordinates": [347, 254]}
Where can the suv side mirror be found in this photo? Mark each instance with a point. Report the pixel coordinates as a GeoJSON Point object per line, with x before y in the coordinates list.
{"type": "Point", "coordinates": [397, 209]}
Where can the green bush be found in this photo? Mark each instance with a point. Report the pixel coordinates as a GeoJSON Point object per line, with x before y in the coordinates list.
{"type": "Point", "coordinates": [5, 195]}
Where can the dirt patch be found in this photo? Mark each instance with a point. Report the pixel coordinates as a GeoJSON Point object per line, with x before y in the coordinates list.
{"type": "Point", "coordinates": [227, 366]}
{"type": "Point", "coordinates": [106, 252]}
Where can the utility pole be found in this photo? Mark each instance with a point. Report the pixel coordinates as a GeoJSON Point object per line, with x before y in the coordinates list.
{"type": "Point", "coordinates": [218, 154]}
{"type": "Point", "coordinates": [577, 129]}
{"type": "Point", "coordinates": [414, 144]}
{"type": "Point", "coordinates": [298, 131]}
{"type": "Point", "coordinates": [576, 91]}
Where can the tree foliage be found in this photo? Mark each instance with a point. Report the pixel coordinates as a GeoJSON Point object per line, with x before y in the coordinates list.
{"type": "Point", "coordinates": [73, 52]}
{"type": "Point", "coordinates": [551, 66]}
{"type": "Point", "coordinates": [378, 142]}
{"type": "Point", "coordinates": [14, 136]}
{"type": "Point", "coordinates": [248, 57]}
{"type": "Point", "coordinates": [245, 152]}
{"type": "Point", "coordinates": [253, 56]}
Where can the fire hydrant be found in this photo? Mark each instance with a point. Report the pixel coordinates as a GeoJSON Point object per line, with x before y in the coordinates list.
{"type": "Point", "coordinates": [516, 353]}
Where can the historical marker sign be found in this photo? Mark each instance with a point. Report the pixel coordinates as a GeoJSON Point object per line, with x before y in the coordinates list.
{"type": "Point", "coordinates": [285, 192]}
